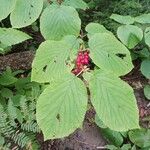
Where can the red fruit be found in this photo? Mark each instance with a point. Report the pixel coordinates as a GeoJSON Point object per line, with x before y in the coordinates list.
{"type": "Point", "coordinates": [82, 61]}
{"type": "Point", "coordinates": [76, 71]}
{"type": "Point", "coordinates": [80, 53]}
{"type": "Point", "coordinates": [86, 53]}
{"type": "Point", "coordinates": [86, 56]}
{"type": "Point", "coordinates": [78, 64]}
{"type": "Point", "coordinates": [78, 60]}
{"type": "Point", "coordinates": [80, 57]}
{"type": "Point", "coordinates": [86, 61]}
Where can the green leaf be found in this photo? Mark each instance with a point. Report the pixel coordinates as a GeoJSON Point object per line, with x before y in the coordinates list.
{"type": "Point", "coordinates": [126, 147]}
{"type": "Point", "coordinates": [147, 36]}
{"type": "Point", "coordinates": [7, 93]}
{"type": "Point", "coordinates": [73, 42]}
{"type": "Point", "coordinates": [7, 78]}
{"type": "Point", "coordinates": [76, 4]}
{"type": "Point", "coordinates": [93, 28]}
{"type": "Point", "coordinates": [144, 18]}
{"type": "Point", "coordinates": [9, 36]}
{"type": "Point", "coordinates": [144, 53]}
{"type": "Point", "coordinates": [113, 99]}
{"type": "Point", "coordinates": [87, 76]}
{"type": "Point", "coordinates": [59, 21]}
{"type": "Point", "coordinates": [2, 50]}
{"type": "Point", "coordinates": [130, 35]}
{"type": "Point", "coordinates": [111, 147]}
{"type": "Point", "coordinates": [7, 7]}
{"type": "Point", "coordinates": [12, 111]}
{"type": "Point", "coordinates": [147, 91]}
{"type": "Point", "coordinates": [133, 148]}
{"type": "Point", "coordinates": [61, 108]}
{"type": "Point", "coordinates": [122, 19]}
{"type": "Point", "coordinates": [105, 50]}
{"type": "Point", "coordinates": [140, 137]}
{"type": "Point", "coordinates": [145, 68]}
{"type": "Point", "coordinates": [26, 12]}
{"type": "Point", "coordinates": [2, 140]}
{"type": "Point", "coordinates": [99, 122]}
{"type": "Point", "coordinates": [113, 137]}
{"type": "Point", "coordinates": [50, 61]}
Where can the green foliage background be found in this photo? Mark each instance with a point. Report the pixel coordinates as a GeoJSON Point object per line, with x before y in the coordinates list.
{"type": "Point", "coordinates": [100, 10]}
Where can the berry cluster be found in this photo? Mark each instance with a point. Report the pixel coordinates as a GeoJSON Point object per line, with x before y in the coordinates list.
{"type": "Point", "coordinates": [82, 60]}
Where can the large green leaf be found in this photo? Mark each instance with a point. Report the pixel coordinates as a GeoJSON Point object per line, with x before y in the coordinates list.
{"type": "Point", "coordinates": [114, 102]}
{"type": "Point", "coordinates": [50, 62]}
{"type": "Point", "coordinates": [113, 137]}
{"type": "Point", "coordinates": [9, 36]}
{"type": "Point", "coordinates": [147, 36]}
{"type": "Point", "coordinates": [122, 19]}
{"type": "Point", "coordinates": [61, 108]}
{"type": "Point", "coordinates": [130, 35]}
{"type": "Point", "coordinates": [7, 7]}
{"type": "Point", "coordinates": [140, 138]}
{"type": "Point", "coordinates": [93, 28]}
{"type": "Point", "coordinates": [59, 21]}
{"type": "Point", "coordinates": [105, 50]}
{"type": "Point", "coordinates": [144, 18]}
{"type": "Point", "coordinates": [73, 42]}
{"type": "Point", "coordinates": [26, 12]}
{"type": "Point", "coordinates": [145, 68]}
{"type": "Point", "coordinates": [76, 4]}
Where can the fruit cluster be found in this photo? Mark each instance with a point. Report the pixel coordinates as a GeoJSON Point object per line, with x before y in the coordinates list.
{"type": "Point", "coordinates": [81, 61]}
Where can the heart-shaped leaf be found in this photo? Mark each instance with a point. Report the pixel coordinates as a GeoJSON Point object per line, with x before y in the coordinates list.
{"type": "Point", "coordinates": [61, 108]}
{"type": "Point", "coordinates": [59, 21]}
{"type": "Point", "coordinates": [109, 54]}
{"type": "Point", "coordinates": [130, 35]}
{"type": "Point", "coordinates": [114, 101]}
{"type": "Point", "coordinates": [26, 12]}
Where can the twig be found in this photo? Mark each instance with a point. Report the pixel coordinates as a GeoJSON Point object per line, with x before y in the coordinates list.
{"type": "Point", "coordinates": [101, 147]}
{"type": "Point", "coordinates": [148, 105]}
{"type": "Point", "coordinates": [80, 72]}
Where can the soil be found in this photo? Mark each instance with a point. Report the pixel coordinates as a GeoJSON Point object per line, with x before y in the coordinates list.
{"type": "Point", "coordinates": [88, 138]}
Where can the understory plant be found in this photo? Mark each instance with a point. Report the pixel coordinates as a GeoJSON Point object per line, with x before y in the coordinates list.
{"type": "Point", "coordinates": [71, 65]}
{"type": "Point", "coordinates": [134, 32]}
{"type": "Point", "coordinates": [18, 126]}
{"type": "Point", "coordinates": [76, 65]}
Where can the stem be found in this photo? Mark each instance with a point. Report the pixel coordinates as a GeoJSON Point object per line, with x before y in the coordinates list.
{"type": "Point", "coordinates": [80, 72]}
{"type": "Point", "coordinates": [84, 69]}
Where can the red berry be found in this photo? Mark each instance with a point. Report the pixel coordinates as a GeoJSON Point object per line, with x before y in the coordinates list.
{"type": "Point", "coordinates": [82, 61]}
{"type": "Point", "coordinates": [86, 61]}
{"type": "Point", "coordinates": [86, 56]}
{"type": "Point", "coordinates": [78, 64]}
{"type": "Point", "coordinates": [80, 53]}
{"type": "Point", "coordinates": [78, 60]}
{"type": "Point", "coordinates": [80, 57]}
{"type": "Point", "coordinates": [86, 53]}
